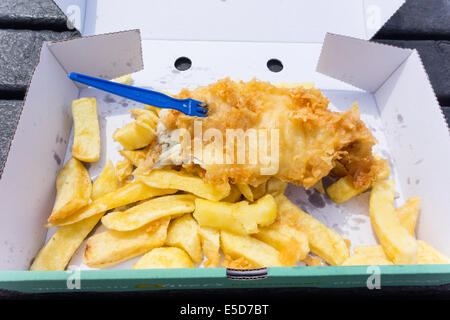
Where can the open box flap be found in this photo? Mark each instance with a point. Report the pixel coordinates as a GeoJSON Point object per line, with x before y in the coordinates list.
{"type": "Point", "coordinates": [106, 56]}
{"type": "Point", "coordinates": [250, 20]}
{"type": "Point", "coordinates": [420, 144]}
{"type": "Point", "coordinates": [27, 184]}
{"type": "Point", "coordinates": [364, 64]}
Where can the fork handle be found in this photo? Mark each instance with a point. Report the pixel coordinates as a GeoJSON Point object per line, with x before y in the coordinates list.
{"type": "Point", "coordinates": [150, 97]}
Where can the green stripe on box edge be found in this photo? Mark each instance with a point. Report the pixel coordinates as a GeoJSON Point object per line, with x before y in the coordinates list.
{"type": "Point", "coordinates": [215, 278]}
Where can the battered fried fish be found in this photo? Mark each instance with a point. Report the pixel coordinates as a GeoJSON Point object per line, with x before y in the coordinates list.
{"type": "Point", "coordinates": [312, 140]}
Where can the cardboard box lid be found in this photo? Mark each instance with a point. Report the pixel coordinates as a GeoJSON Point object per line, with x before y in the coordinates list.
{"type": "Point", "coordinates": [232, 20]}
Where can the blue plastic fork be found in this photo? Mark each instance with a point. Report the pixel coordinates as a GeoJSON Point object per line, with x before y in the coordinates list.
{"type": "Point", "coordinates": [189, 107]}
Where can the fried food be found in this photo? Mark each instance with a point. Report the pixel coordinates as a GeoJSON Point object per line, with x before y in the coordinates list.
{"type": "Point", "coordinates": [129, 193]}
{"type": "Point", "coordinates": [165, 257]}
{"type": "Point", "coordinates": [240, 217]}
{"type": "Point", "coordinates": [400, 247]}
{"type": "Point", "coordinates": [111, 247]}
{"type": "Point", "coordinates": [253, 250]}
{"type": "Point", "coordinates": [210, 245]}
{"type": "Point", "coordinates": [183, 233]}
{"type": "Point", "coordinates": [86, 141]}
{"type": "Point", "coordinates": [73, 190]}
{"type": "Point", "coordinates": [311, 137]}
{"type": "Point", "coordinates": [178, 180]}
{"type": "Point", "coordinates": [148, 211]}
{"type": "Point", "coordinates": [323, 241]}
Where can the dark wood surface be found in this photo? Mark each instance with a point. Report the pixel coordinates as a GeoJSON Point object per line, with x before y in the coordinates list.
{"type": "Point", "coordinates": [24, 24]}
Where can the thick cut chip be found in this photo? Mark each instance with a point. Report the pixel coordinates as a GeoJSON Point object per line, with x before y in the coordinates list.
{"type": "Point", "coordinates": [130, 193]}
{"type": "Point", "coordinates": [234, 196]}
{"type": "Point", "coordinates": [253, 250]}
{"type": "Point", "coordinates": [291, 85]}
{"type": "Point", "coordinates": [323, 241]}
{"type": "Point", "coordinates": [73, 190]}
{"type": "Point", "coordinates": [111, 247]}
{"type": "Point", "coordinates": [135, 135]}
{"type": "Point", "coordinates": [343, 189]}
{"type": "Point", "coordinates": [367, 256]}
{"type": "Point", "coordinates": [106, 182]}
{"type": "Point", "coordinates": [135, 157]}
{"type": "Point", "coordinates": [291, 242]}
{"type": "Point", "coordinates": [408, 214]}
{"type": "Point", "coordinates": [58, 251]}
{"type": "Point", "coordinates": [182, 181]}
{"type": "Point", "coordinates": [238, 263]}
{"type": "Point", "coordinates": [240, 217]}
{"type": "Point", "coordinates": [211, 246]}
{"type": "Point", "coordinates": [146, 116]}
{"type": "Point", "coordinates": [426, 254]}
{"type": "Point", "coordinates": [314, 261]}
{"type": "Point", "coordinates": [183, 233]}
{"type": "Point", "coordinates": [259, 191]}
{"type": "Point", "coordinates": [126, 79]}
{"type": "Point", "coordinates": [149, 211]}
{"type": "Point", "coordinates": [164, 258]}
{"type": "Point", "coordinates": [86, 141]}
{"type": "Point", "coordinates": [246, 191]}
{"type": "Point", "coordinates": [275, 186]}
{"type": "Point", "coordinates": [124, 168]}
{"type": "Point", "coordinates": [400, 247]}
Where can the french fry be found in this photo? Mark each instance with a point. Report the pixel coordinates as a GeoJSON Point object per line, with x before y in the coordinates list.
{"type": "Point", "coordinates": [253, 250]}
{"type": "Point", "coordinates": [183, 233]}
{"type": "Point", "coordinates": [58, 251]}
{"type": "Point", "coordinates": [314, 261]}
{"type": "Point", "coordinates": [240, 217]}
{"type": "Point", "coordinates": [259, 191]}
{"type": "Point", "coordinates": [164, 258]}
{"type": "Point", "coordinates": [246, 191]}
{"type": "Point", "coordinates": [135, 135]}
{"type": "Point", "coordinates": [400, 247]}
{"type": "Point", "coordinates": [319, 187]}
{"type": "Point", "coordinates": [290, 85]}
{"type": "Point", "coordinates": [288, 240]}
{"type": "Point", "coordinates": [323, 241]}
{"type": "Point", "coordinates": [210, 239]}
{"type": "Point", "coordinates": [343, 189]}
{"type": "Point", "coordinates": [135, 157]}
{"type": "Point", "coordinates": [106, 182]}
{"type": "Point", "coordinates": [108, 248]}
{"type": "Point", "coordinates": [275, 186]}
{"type": "Point", "coordinates": [149, 211]}
{"type": "Point", "coordinates": [238, 263]}
{"type": "Point", "coordinates": [124, 168]}
{"type": "Point", "coordinates": [367, 256]}
{"type": "Point", "coordinates": [86, 141]}
{"type": "Point", "coordinates": [73, 190]}
{"type": "Point", "coordinates": [408, 214]}
{"type": "Point", "coordinates": [426, 254]}
{"type": "Point", "coordinates": [234, 196]}
{"type": "Point", "coordinates": [146, 116]}
{"type": "Point", "coordinates": [182, 181]}
{"type": "Point", "coordinates": [126, 79]}
{"type": "Point", "coordinates": [130, 193]}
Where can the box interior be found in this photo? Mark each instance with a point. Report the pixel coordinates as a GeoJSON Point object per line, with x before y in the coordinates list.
{"type": "Point", "coordinates": [395, 111]}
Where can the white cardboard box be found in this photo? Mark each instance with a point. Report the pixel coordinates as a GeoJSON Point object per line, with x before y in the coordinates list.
{"type": "Point", "coordinates": [390, 84]}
